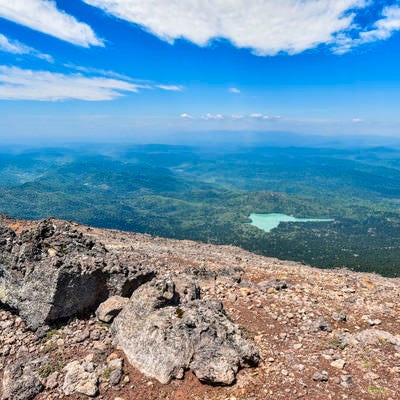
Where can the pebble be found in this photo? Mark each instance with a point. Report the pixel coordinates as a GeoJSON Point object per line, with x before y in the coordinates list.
{"type": "Point", "coordinates": [320, 376]}
{"type": "Point", "coordinates": [339, 317]}
{"type": "Point", "coordinates": [346, 381]}
{"type": "Point", "coordinates": [339, 364]}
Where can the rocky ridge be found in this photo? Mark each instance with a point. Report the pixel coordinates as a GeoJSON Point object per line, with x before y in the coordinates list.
{"type": "Point", "coordinates": [315, 334]}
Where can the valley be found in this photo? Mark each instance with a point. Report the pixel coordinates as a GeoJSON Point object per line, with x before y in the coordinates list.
{"type": "Point", "coordinates": [207, 194]}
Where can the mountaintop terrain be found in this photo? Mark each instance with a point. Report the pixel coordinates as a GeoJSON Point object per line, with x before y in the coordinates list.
{"type": "Point", "coordinates": [89, 312]}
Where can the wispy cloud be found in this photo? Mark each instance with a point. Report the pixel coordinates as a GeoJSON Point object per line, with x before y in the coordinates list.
{"type": "Point", "coordinates": [234, 90]}
{"type": "Point", "coordinates": [44, 16]}
{"type": "Point", "coordinates": [381, 30]}
{"type": "Point", "coordinates": [357, 120]}
{"type": "Point", "coordinates": [266, 27]}
{"type": "Point", "coordinates": [24, 84]}
{"type": "Point", "coordinates": [170, 88]}
{"type": "Point", "coordinates": [99, 71]}
{"type": "Point", "coordinates": [16, 47]}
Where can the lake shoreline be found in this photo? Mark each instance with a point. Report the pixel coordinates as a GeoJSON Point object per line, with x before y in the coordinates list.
{"type": "Point", "coordinates": [270, 221]}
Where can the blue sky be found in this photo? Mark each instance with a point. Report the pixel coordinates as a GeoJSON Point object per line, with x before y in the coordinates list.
{"type": "Point", "coordinates": [144, 70]}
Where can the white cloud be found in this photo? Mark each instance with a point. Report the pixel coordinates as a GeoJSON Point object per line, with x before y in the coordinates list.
{"type": "Point", "coordinates": [256, 115]}
{"type": "Point", "coordinates": [259, 116]}
{"type": "Point", "coordinates": [266, 27]}
{"type": "Point", "coordinates": [237, 116]}
{"type": "Point", "coordinates": [12, 46]}
{"type": "Point", "coordinates": [15, 47]}
{"type": "Point", "coordinates": [209, 116]}
{"type": "Point", "coordinates": [186, 116]}
{"type": "Point", "coordinates": [381, 30]}
{"type": "Point", "coordinates": [357, 120]}
{"type": "Point", "coordinates": [271, 118]}
{"type": "Point", "coordinates": [43, 16]}
{"type": "Point", "coordinates": [170, 88]}
{"type": "Point", "coordinates": [234, 90]}
{"type": "Point", "coordinates": [24, 84]}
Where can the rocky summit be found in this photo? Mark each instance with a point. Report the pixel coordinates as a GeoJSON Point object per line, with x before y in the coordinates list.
{"type": "Point", "coordinates": [105, 314]}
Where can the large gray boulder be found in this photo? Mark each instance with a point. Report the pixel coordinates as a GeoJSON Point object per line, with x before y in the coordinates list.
{"type": "Point", "coordinates": [53, 271]}
{"type": "Point", "coordinates": [164, 331]}
{"type": "Point", "coordinates": [21, 379]}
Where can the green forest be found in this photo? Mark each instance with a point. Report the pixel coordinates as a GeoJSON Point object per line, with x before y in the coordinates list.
{"type": "Point", "coordinates": [207, 194]}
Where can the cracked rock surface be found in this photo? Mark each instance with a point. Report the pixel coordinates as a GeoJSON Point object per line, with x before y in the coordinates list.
{"type": "Point", "coordinates": [52, 271]}
{"type": "Point", "coordinates": [163, 336]}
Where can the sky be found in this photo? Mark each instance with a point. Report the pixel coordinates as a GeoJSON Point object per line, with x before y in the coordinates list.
{"type": "Point", "coordinates": [137, 70]}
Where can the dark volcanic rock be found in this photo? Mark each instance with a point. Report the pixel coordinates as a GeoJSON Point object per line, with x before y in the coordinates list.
{"type": "Point", "coordinates": [163, 334]}
{"type": "Point", "coordinates": [53, 271]}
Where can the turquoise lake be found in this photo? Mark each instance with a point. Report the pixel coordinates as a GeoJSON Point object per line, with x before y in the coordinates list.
{"type": "Point", "coordinates": [267, 222]}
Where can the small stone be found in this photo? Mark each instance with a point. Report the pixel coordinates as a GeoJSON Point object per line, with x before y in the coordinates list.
{"type": "Point", "coordinates": [52, 252]}
{"type": "Point", "coordinates": [81, 336]}
{"type": "Point", "coordinates": [367, 284]}
{"type": "Point", "coordinates": [276, 284]}
{"type": "Point", "coordinates": [245, 291]}
{"type": "Point", "coordinates": [300, 367]}
{"type": "Point", "coordinates": [339, 364]}
{"type": "Point", "coordinates": [374, 322]}
{"type": "Point", "coordinates": [232, 297]}
{"type": "Point", "coordinates": [112, 356]}
{"type": "Point", "coordinates": [77, 379]}
{"type": "Point", "coordinates": [180, 374]}
{"type": "Point", "coordinates": [110, 308]}
{"type": "Point", "coordinates": [41, 331]}
{"type": "Point", "coordinates": [346, 381]}
{"type": "Point", "coordinates": [297, 346]}
{"type": "Point", "coordinates": [339, 317]}
{"type": "Point", "coordinates": [52, 380]}
{"type": "Point", "coordinates": [322, 325]}
{"type": "Point", "coordinates": [284, 372]}
{"type": "Point", "coordinates": [371, 376]}
{"type": "Point", "coordinates": [95, 334]}
{"type": "Point", "coordinates": [115, 366]}
{"type": "Point", "coordinates": [320, 376]}
{"type": "Point", "coordinates": [271, 359]}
